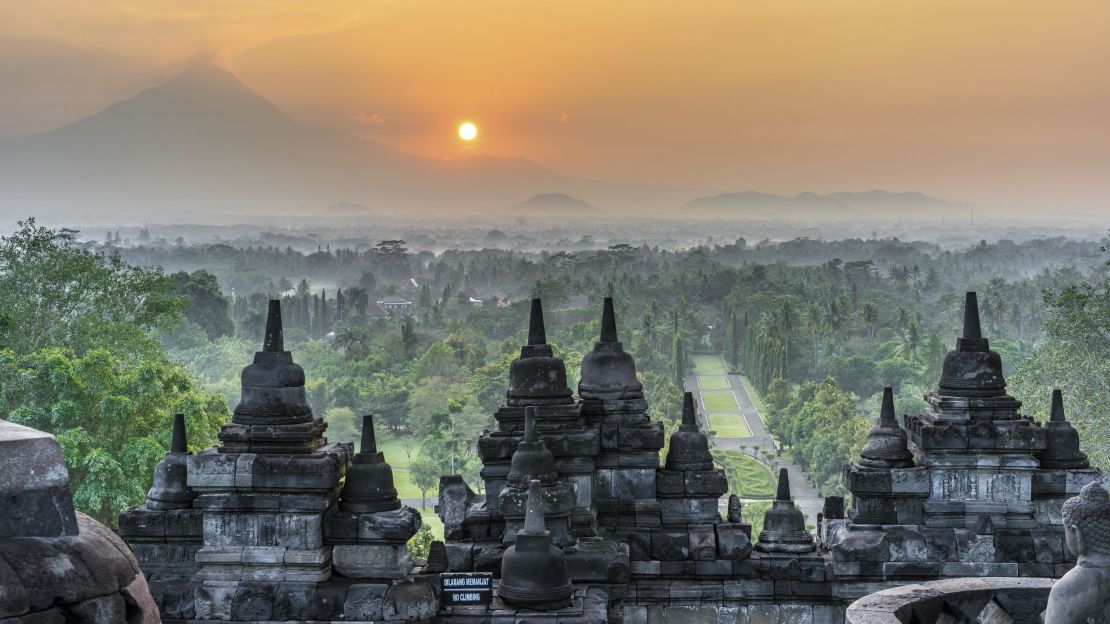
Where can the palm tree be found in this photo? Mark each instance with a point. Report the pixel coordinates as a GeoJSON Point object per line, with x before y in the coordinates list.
{"type": "Point", "coordinates": [911, 342]}
{"type": "Point", "coordinates": [359, 298]}
{"type": "Point", "coordinates": [869, 314]}
{"type": "Point", "coordinates": [901, 318]}
{"type": "Point", "coordinates": [786, 323]}
{"type": "Point", "coordinates": [814, 323]}
{"type": "Point", "coordinates": [834, 316]}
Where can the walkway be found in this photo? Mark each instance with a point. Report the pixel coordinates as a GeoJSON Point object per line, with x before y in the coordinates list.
{"type": "Point", "coordinates": [744, 413]}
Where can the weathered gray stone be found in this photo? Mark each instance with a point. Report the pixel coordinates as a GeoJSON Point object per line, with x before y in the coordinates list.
{"type": "Point", "coordinates": [410, 601]}
{"type": "Point", "coordinates": [35, 499]}
{"type": "Point", "coordinates": [364, 602]}
{"type": "Point", "coordinates": [372, 560]}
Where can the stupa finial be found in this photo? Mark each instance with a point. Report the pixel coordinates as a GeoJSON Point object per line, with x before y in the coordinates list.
{"type": "Point", "coordinates": [536, 333]}
{"type": "Point", "coordinates": [369, 441]}
{"type": "Point", "coordinates": [783, 493]}
{"type": "Point", "coordinates": [1058, 406]}
{"type": "Point", "coordinates": [689, 415]}
{"type": "Point", "coordinates": [886, 413]}
{"type": "Point", "coordinates": [608, 321]}
{"type": "Point", "coordinates": [972, 329]}
{"type": "Point", "coordinates": [274, 339]}
{"type": "Point", "coordinates": [179, 443]}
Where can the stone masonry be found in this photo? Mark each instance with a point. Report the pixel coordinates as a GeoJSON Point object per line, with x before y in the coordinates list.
{"type": "Point", "coordinates": [58, 566]}
{"type": "Point", "coordinates": [276, 524]}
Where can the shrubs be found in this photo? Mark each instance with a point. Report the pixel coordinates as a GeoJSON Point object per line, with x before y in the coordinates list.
{"type": "Point", "coordinates": [747, 476]}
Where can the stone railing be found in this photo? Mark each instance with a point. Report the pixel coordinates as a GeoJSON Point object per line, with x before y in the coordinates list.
{"type": "Point", "coordinates": [955, 601]}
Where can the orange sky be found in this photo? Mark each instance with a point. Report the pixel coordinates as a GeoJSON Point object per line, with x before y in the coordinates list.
{"type": "Point", "coordinates": [992, 101]}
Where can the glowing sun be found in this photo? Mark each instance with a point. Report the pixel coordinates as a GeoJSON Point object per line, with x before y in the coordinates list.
{"type": "Point", "coordinates": [468, 131]}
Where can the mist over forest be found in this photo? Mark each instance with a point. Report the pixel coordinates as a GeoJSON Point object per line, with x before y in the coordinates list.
{"type": "Point", "coordinates": [417, 321]}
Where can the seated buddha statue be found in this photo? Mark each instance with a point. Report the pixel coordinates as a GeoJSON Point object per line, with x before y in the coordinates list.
{"type": "Point", "coordinates": [1081, 595]}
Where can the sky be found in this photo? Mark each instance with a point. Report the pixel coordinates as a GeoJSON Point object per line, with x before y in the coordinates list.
{"type": "Point", "coordinates": [996, 102]}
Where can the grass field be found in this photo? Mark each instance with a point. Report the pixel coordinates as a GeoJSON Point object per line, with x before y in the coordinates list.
{"type": "Point", "coordinates": [394, 450]}
{"type": "Point", "coordinates": [432, 520]}
{"type": "Point", "coordinates": [719, 401]}
{"type": "Point", "coordinates": [748, 477]}
{"type": "Point", "coordinates": [729, 426]}
{"type": "Point", "coordinates": [708, 364]}
{"type": "Point", "coordinates": [713, 382]}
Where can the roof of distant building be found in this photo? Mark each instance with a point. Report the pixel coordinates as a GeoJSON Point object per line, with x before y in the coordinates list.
{"type": "Point", "coordinates": [394, 299]}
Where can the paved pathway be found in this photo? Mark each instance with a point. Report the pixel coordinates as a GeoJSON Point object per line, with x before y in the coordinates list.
{"type": "Point", "coordinates": [805, 495]}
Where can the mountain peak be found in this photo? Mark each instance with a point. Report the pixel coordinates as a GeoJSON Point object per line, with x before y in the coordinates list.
{"type": "Point", "coordinates": [557, 202]}
{"type": "Point", "coordinates": [202, 88]}
{"type": "Point", "coordinates": [205, 76]}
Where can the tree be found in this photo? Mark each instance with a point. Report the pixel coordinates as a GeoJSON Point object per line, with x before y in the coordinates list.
{"type": "Point", "coordinates": [911, 342]}
{"type": "Point", "coordinates": [367, 281]}
{"type": "Point", "coordinates": [409, 339]}
{"type": "Point", "coordinates": [359, 299]}
{"type": "Point", "coordinates": [1075, 357]}
{"type": "Point", "coordinates": [814, 322]}
{"type": "Point", "coordinates": [678, 361]}
{"type": "Point", "coordinates": [112, 416]}
{"type": "Point", "coordinates": [856, 373]}
{"type": "Point", "coordinates": [55, 294]}
{"type": "Point", "coordinates": [207, 307]}
{"type": "Point", "coordinates": [425, 476]}
{"type": "Point", "coordinates": [869, 315]}
{"type": "Point", "coordinates": [79, 360]}
{"type": "Point", "coordinates": [825, 430]}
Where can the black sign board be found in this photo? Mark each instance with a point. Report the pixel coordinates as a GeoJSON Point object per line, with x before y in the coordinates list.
{"type": "Point", "coordinates": [466, 588]}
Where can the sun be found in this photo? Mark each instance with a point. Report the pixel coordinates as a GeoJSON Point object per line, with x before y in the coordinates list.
{"type": "Point", "coordinates": [468, 131]}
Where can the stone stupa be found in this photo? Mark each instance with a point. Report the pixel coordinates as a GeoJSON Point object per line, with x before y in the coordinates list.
{"type": "Point", "coordinates": [784, 525]}
{"type": "Point", "coordinates": [534, 570]}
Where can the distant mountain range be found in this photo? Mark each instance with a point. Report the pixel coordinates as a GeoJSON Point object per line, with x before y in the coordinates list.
{"type": "Point", "coordinates": [833, 206]}
{"type": "Point", "coordinates": [205, 140]}
{"type": "Point", "coordinates": [554, 204]}
{"type": "Point", "coordinates": [205, 145]}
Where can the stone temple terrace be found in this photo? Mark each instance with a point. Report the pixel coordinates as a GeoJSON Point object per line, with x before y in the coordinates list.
{"type": "Point", "coordinates": [957, 514]}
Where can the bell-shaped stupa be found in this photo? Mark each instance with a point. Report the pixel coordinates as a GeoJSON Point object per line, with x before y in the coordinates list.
{"type": "Point", "coordinates": [537, 377]}
{"type": "Point", "coordinates": [273, 415]}
{"type": "Point", "coordinates": [1061, 440]}
{"type": "Point", "coordinates": [784, 525]}
{"type": "Point", "coordinates": [170, 489]}
{"type": "Point", "coordinates": [534, 570]}
{"type": "Point", "coordinates": [369, 483]}
{"type": "Point", "coordinates": [689, 448]}
{"type": "Point", "coordinates": [972, 369]}
{"type": "Point", "coordinates": [886, 441]}
{"type": "Point", "coordinates": [608, 373]}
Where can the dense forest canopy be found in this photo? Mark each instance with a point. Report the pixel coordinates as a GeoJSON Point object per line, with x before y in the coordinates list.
{"type": "Point", "coordinates": [101, 351]}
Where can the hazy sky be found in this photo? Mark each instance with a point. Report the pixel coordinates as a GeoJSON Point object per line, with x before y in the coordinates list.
{"type": "Point", "coordinates": [992, 101]}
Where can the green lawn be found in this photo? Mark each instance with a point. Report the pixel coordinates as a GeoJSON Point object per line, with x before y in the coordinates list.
{"type": "Point", "coordinates": [708, 364]}
{"type": "Point", "coordinates": [394, 449]}
{"type": "Point", "coordinates": [753, 512]}
{"type": "Point", "coordinates": [405, 487]}
{"type": "Point", "coordinates": [729, 426]}
{"type": "Point", "coordinates": [432, 520]}
{"type": "Point", "coordinates": [747, 476]}
{"type": "Point", "coordinates": [713, 382]}
{"type": "Point", "coordinates": [719, 401]}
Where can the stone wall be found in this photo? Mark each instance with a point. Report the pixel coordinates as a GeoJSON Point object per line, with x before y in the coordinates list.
{"type": "Point", "coordinates": [58, 566]}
